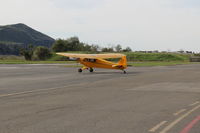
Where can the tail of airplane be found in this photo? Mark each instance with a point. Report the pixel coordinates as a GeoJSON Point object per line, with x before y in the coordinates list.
{"type": "Point", "coordinates": [123, 61]}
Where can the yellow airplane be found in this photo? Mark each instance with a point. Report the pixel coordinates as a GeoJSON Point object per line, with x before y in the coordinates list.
{"type": "Point", "coordinates": [91, 61]}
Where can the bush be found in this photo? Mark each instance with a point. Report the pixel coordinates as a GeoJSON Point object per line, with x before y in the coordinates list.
{"type": "Point", "coordinates": [59, 46]}
{"type": "Point", "coordinates": [28, 52]}
{"type": "Point", "coordinates": [41, 53]}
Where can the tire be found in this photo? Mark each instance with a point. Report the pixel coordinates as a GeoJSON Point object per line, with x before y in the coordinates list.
{"type": "Point", "coordinates": [91, 70]}
{"type": "Point", "coordinates": [124, 71]}
{"type": "Point", "coordinates": [80, 70]}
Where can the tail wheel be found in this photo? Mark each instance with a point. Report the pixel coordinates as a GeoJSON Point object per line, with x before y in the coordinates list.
{"type": "Point", "coordinates": [124, 71]}
{"type": "Point", "coordinates": [91, 70]}
{"type": "Point", "coordinates": [80, 70]}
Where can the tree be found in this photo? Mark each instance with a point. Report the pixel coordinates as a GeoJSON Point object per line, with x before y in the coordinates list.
{"type": "Point", "coordinates": [86, 47]}
{"type": "Point", "coordinates": [27, 52]}
{"type": "Point", "coordinates": [127, 49]}
{"type": "Point", "coordinates": [94, 48]}
{"type": "Point", "coordinates": [118, 48]}
{"type": "Point", "coordinates": [41, 53]}
{"type": "Point", "coordinates": [107, 49]}
{"type": "Point", "coordinates": [59, 46]}
{"type": "Point", "coordinates": [73, 44]}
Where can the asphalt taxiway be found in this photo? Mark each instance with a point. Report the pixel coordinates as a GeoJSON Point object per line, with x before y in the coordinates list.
{"type": "Point", "coordinates": [58, 99]}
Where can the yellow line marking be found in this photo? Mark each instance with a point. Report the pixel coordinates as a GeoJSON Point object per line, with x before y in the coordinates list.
{"type": "Point", "coordinates": [197, 102]}
{"type": "Point", "coordinates": [157, 126]}
{"type": "Point", "coordinates": [33, 91]}
{"type": "Point", "coordinates": [170, 126]}
{"type": "Point", "coordinates": [179, 112]}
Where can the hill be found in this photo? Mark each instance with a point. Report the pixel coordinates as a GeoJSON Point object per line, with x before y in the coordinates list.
{"type": "Point", "coordinates": [13, 37]}
{"type": "Point", "coordinates": [21, 33]}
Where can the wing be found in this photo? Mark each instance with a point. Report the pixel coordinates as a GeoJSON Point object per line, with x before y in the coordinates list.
{"type": "Point", "coordinates": [92, 56]}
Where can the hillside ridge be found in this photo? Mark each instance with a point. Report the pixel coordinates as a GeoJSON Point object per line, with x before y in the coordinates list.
{"type": "Point", "coordinates": [21, 33]}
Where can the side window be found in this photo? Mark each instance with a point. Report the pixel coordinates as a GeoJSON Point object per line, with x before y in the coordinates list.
{"type": "Point", "coordinates": [92, 60]}
{"type": "Point", "coordinates": [89, 60]}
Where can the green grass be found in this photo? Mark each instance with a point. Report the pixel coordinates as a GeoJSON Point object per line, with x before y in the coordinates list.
{"type": "Point", "coordinates": [34, 62]}
{"type": "Point", "coordinates": [166, 57]}
{"type": "Point", "coordinates": [135, 59]}
{"type": "Point", "coordinates": [73, 63]}
{"type": "Point", "coordinates": [159, 63]}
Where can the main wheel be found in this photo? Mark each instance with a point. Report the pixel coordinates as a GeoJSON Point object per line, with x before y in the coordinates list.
{"type": "Point", "coordinates": [80, 70]}
{"type": "Point", "coordinates": [91, 70]}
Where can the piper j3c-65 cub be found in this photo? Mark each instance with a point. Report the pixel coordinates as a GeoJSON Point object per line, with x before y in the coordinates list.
{"type": "Point", "coordinates": [91, 61]}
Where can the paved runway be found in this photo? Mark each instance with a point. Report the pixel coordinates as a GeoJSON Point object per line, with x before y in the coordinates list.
{"type": "Point", "coordinates": [58, 99]}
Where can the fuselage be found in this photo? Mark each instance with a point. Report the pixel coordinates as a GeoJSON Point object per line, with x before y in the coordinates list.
{"type": "Point", "coordinates": [101, 63]}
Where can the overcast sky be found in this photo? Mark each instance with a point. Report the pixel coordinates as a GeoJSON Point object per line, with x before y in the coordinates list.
{"type": "Point", "coordinates": [140, 24]}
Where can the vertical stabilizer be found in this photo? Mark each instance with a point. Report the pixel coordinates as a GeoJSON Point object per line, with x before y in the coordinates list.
{"type": "Point", "coordinates": [123, 61]}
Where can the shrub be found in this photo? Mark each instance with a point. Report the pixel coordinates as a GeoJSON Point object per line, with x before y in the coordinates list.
{"type": "Point", "coordinates": [41, 53]}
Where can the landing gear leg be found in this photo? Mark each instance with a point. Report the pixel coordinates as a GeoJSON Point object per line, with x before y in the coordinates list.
{"type": "Point", "coordinates": [81, 69]}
